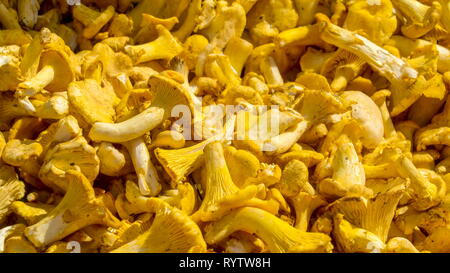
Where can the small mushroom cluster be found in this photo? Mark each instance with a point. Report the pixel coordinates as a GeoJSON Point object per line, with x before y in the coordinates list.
{"type": "Point", "coordinates": [116, 134]}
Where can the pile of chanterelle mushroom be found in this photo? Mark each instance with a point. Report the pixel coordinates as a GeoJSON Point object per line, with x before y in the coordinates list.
{"type": "Point", "coordinates": [224, 126]}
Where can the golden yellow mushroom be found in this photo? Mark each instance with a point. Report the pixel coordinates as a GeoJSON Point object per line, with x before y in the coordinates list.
{"type": "Point", "coordinates": [277, 234]}
{"type": "Point", "coordinates": [172, 231]}
{"type": "Point", "coordinates": [79, 208]}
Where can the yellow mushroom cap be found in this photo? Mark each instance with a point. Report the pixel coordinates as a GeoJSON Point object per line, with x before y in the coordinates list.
{"type": "Point", "coordinates": [279, 236]}
{"type": "Point", "coordinates": [368, 115]}
{"type": "Point", "coordinates": [172, 231]}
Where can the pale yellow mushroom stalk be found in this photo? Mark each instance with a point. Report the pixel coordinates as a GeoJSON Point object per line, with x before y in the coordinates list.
{"type": "Point", "coordinates": [56, 107]}
{"type": "Point", "coordinates": [343, 67]}
{"type": "Point", "coordinates": [314, 106]}
{"type": "Point", "coordinates": [129, 129]}
{"type": "Point", "coordinates": [419, 18]}
{"type": "Point", "coordinates": [47, 63]}
{"type": "Point", "coordinates": [390, 66]}
{"type": "Point", "coordinates": [164, 47]}
{"type": "Point", "coordinates": [92, 20]}
{"type": "Point", "coordinates": [279, 236]}
{"type": "Point", "coordinates": [112, 160]}
{"type": "Point", "coordinates": [348, 172]}
{"type": "Point", "coordinates": [179, 163]}
{"type": "Point", "coordinates": [148, 178]}
{"type": "Point", "coordinates": [189, 23]}
{"type": "Point", "coordinates": [238, 50]}
{"type": "Point", "coordinates": [400, 245]}
{"type": "Point", "coordinates": [424, 193]}
{"type": "Point", "coordinates": [172, 231]}
{"type": "Point", "coordinates": [351, 239]}
{"type": "Point", "coordinates": [304, 206]}
{"type": "Point", "coordinates": [281, 143]}
{"type": "Point", "coordinates": [408, 46]}
{"type": "Point", "coordinates": [79, 208]}
{"type": "Point", "coordinates": [406, 82]}
{"type": "Point", "coordinates": [167, 94]}
{"type": "Point", "coordinates": [301, 36]}
{"type": "Point", "coordinates": [221, 194]}
{"type": "Point", "coordinates": [388, 126]}
{"type": "Point", "coordinates": [271, 72]}
{"type": "Point", "coordinates": [374, 214]}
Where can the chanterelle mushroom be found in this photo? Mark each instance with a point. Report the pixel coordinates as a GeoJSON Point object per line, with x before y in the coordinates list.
{"type": "Point", "coordinates": [224, 126]}
{"type": "Point", "coordinates": [54, 68]}
{"type": "Point", "coordinates": [75, 154]}
{"type": "Point", "coordinates": [11, 189]}
{"type": "Point", "coordinates": [172, 231]}
{"type": "Point", "coordinates": [277, 234]}
{"type": "Point", "coordinates": [79, 208]}
{"type": "Point", "coordinates": [406, 81]}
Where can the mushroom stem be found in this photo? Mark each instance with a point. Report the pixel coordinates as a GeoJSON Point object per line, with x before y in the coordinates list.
{"type": "Point", "coordinates": [283, 142]}
{"type": "Point", "coordinates": [380, 99]}
{"type": "Point", "coordinates": [238, 50]}
{"type": "Point", "coordinates": [271, 71]}
{"type": "Point", "coordinates": [300, 36]}
{"type": "Point", "coordinates": [279, 236]}
{"type": "Point", "coordinates": [391, 67]}
{"type": "Point", "coordinates": [382, 171]}
{"type": "Point", "coordinates": [420, 18]}
{"type": "Point", "coordinates": [304, 205]}
{"type": "Point", "coordinates": [189, 23]}
{"type": "Point", "coordinates": [340, 81]}
{"type": "Point", "coordinates": [164, 47]}
{"type": "Point", "coordinates": [85, 15]}
{"type": "Point", "coordinates": [79, 208]}
{"type": "Point", "coordinates": [425, 193]}
{"type": "Point", "coordinates": [171, 231]}
{"type": "Point", "coordinates": [406, 81]}
{"type": "Point", "coordinates": [43, 78]}
{"type": "Point", "coordinates": [408, 46]}
{"type": "Point", "coordinates": [148, 178]}
{"type": "Point", "coordinates": [92, 19]}
{"type": "Point", "coordinates": [129, 129]}
{"type": "Point", "coordinates": [221, 194]}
